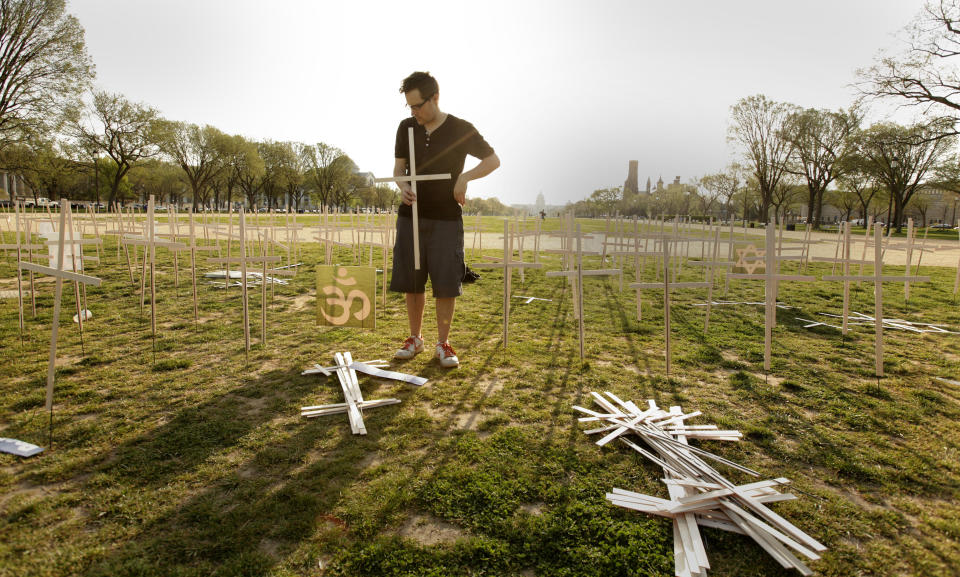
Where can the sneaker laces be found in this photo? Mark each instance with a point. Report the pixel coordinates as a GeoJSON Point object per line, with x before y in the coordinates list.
{"type": "Point", "coordinates": [410, 341]}
{"type": "Point", "coordinates": [447, 350]}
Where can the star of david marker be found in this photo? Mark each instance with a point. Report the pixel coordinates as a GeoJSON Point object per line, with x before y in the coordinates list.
{"type": "Point", "coordinates": [412, 178]}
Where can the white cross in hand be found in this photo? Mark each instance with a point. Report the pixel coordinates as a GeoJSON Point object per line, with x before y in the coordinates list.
{"type": "Point", "coordinates": [412, 178]}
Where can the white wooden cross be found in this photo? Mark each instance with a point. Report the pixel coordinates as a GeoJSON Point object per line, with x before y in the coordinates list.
{"type": "Point", "coordinates": [60, 275]}
{"type": "Point", "coordinates": [477, 230]}
{"type": "Point", "coordinates": [528, 299]}
{"type": "Point", "coordinates": [193, 247]}
{"type": "Point", "coordinates": [712, 266]}
{"type": "Point", "coordinates": [877, 279]}
{"type": "Point", "coordinates": [846, 261]}
{"type": "Point", "coordinates": [354, 404]}
{"type": "Point", "coordinates": [149, 241]}
{"type": "Point", "coordinates": [244, 260]}
{"type": "Point", "coordinates": [413, 178]}
{"type": "Point", "coordinates": [575, 276]}
{"type": "Point", "coordinates": [19, 247]}
{"type": "Point", "coordinates": [507, 265]}
{"type": "Point", "coordinates": [666, 286]}
{"type": "Point", "coordinates": [120, 232]}
{"type": "Point", "coordinates": [772, 278]}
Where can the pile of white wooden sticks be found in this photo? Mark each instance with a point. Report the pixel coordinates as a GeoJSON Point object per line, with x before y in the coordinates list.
{"type": "Point", "coordinates": [699, 495]}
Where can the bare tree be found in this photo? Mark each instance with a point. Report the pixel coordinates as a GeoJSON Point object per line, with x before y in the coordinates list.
{"type": "Point", "coordinates": [44, 66]}
{"type": "Point", "coordinates": [925, 75]}
{"type": "Point", "coordinates": [821, 139]}
{"type": "Point", "coordinates": [785, 195]}
{"type": "Point", "coordinates": [757, 127]}
{"type": "Point", "coordinates": [723, 185]}
{"type": "Point", "coordinates": [125, 131]}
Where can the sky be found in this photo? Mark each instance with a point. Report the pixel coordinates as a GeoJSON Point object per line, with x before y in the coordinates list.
{"type": "Point", "coordinates": [567, 92]}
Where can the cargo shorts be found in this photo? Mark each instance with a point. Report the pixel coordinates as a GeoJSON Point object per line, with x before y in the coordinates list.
{"type": "Point", "coordinates": [441, 257]}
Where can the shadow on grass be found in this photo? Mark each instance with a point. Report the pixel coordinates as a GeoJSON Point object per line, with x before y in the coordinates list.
{"type": "Point", "coordinates": [257, 507]}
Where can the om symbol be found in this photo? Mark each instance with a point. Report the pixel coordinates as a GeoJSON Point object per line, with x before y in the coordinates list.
{"type": "Point", "coordinates": [345, 302]}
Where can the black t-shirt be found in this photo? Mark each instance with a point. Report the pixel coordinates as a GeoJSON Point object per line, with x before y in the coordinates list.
{"type": "Point", "coordinates": [444, 151]}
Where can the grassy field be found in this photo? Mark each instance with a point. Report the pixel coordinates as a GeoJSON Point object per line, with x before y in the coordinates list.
{"type": "Point", "coordinates": [186, 456]}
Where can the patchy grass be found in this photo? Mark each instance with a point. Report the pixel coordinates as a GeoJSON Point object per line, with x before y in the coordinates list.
{"type": "Point", "coordinates": [185, 455]}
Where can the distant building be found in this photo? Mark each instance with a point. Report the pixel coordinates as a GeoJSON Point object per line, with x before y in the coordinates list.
{"type": "Point", "coordinates": [630, 186]}
{"type": "Point", "coordinates": [541, 203]}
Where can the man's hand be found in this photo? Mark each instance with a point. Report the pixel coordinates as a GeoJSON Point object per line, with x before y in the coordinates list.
{"type": "Point", "coordinates": [486, 166]}
{"type": "Point", "coordinates": [460, 190]}
{"type": "Point", "coordinates": [406, 193]}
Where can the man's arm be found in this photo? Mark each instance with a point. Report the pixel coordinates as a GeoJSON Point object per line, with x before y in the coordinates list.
{"type": "Point", "coordinates": [486, 166]}
{"type": "Point", "coordinates": [406, 191]}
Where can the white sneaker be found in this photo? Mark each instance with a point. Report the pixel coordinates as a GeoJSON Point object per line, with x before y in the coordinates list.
{"type": "Point", "coordinates": [411, 348]}
{"type": "Point", "coordinates": [447, 356]}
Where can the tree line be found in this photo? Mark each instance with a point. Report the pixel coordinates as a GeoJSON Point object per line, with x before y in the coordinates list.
{"type": "Point", "coordinates": [794, 158]}
{"type": "Point", "coordinates": [62, 138]}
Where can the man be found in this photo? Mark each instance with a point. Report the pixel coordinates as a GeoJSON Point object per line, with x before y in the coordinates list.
{"type": "Point", "coordinates": [441, 144]}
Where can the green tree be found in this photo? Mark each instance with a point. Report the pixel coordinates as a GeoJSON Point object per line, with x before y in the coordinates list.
{"type": "Point", "coordinates": [844, 200]}
{"type": "Point", "coordinates": [857, 178]}
{"type": "Point", "coordinates": [250, 170]}
{"type": "Point", "coordinates": [44, 66]}
{"type": "Point", "coordinates": [44, 165]}
{"type": "Point", "coordinates": [239, 156]}
{"type": "Point", "coordinates": [198, 151]}
{"type": "Point", "coordinates": [279, 161]}
{"type": "Point", "coordinates": [821, 139]}
{"type": "Point", "coordinates": [347, 183]}
{"type": "Point", "coordinates": [324, 173]}
{"type": "Point", "coordinates": [295, 180]}
{"type": "Point", "coordinates": [902, 158]}
{"type": "Point", "coordinates": [125, 131]}
{"type": "Point", "coordinates": [107, 169]}
{"type": "Point", "coordinates": [386, 196]}
{"type": "Point", "coordinates": [164, 180]}
{"type": "Point", "coordinates": [605, 199]}
{"type": "Point", "coordinates": [487, 207]}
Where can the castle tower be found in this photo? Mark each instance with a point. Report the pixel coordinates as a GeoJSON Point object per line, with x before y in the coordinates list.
{"type": "Point", "coordinates": [630, 186]}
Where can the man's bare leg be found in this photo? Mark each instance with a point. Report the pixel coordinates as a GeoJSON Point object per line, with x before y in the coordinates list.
{"type": "Point", "coordinates": [445, 307]}
{"type": "Point", "coordinates": [415, 304]}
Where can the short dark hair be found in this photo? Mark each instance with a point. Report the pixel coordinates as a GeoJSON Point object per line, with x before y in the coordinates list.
{"type": "Point", "coordinates": [422, 81]}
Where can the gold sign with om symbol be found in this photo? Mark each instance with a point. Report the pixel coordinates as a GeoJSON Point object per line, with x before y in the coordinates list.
{"type": "Point", "coordinates": [346, 296]}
